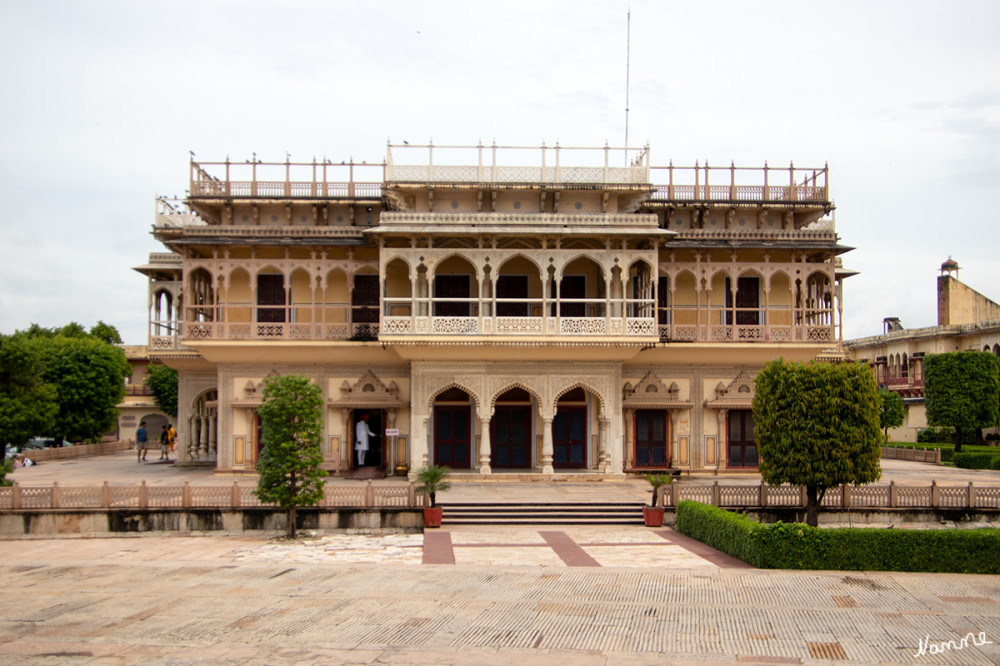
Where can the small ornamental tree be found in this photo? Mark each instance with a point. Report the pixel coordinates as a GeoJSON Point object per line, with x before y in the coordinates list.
{"type": "Point", "coordinates": [892, 411]}
{"type": "Point", "coordinates": [162, 381]}
{"type": "Point", "coordinates": [817, 426]}
{"type": "Point", "coordinates": [961, 391]}
{"type": "Point", "coordinates": [291, 416]}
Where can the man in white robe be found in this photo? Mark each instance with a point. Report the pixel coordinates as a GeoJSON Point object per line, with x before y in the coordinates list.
{"type": "Point", "coordinates": [361, 434]}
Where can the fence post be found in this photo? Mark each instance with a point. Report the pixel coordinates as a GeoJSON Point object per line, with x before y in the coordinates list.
{"type": "Point", "coordinates": [234, 497]}
{"type": "Point", "coordinates": [143, 495]}
{"type": "Point", "coordinates": [15, 496]}
{"type": "Point", "coordinates": [105, 496]}
{"type": "Point", "coordinates": [893, 498]}
{"type": "Point", "coordinates": [369, 495]}
{"type": "Point", "coordinates": [186, 495]}
{"type": "Point", "coordinates": [762, 494]}
{"type": "Point", "coordinates": [54, 500]}
{"type": "Point", "coordinates": [845, 498]}
{"type": "Point", "coordinates": [411, 495]}
{"type": "Point", "coordinates": [716, 494]}
{"type": "Point", "coordinates": [675, 493]}
{"type": "Point", "coordinates": [937, 456]}
{"type": "Point", "coordinates": [935, 493]}
{"type": "Point", "coordinates": [803, 498]}
{"type": "Point", "coordinates": [972, 496]}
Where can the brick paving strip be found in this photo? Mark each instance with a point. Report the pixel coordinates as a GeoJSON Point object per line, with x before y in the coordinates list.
{"type": "Point", "coordinates": [438, 548]}
{"type": "Point", "coordinates": [568, 550]}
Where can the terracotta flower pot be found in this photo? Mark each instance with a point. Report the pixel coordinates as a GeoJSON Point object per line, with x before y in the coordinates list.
{"type": "Point", "coordinates": [652, 515]}
{"type": "Point", "coordinates": [432, 516]}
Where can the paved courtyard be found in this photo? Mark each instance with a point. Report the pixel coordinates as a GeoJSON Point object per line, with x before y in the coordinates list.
{"type": "Point", "coordinates": [467, 594]}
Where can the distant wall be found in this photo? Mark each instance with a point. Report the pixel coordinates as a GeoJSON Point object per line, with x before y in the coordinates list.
{"type": "Point", "coordinates": [958, 304]}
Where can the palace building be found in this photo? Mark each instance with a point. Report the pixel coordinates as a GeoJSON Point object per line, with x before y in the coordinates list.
{"type": "Point", "coordinates": [967, 321]}
{"type": "Point", "coordinates": [536, 311]}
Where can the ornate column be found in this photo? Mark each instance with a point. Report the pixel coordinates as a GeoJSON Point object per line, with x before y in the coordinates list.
{"type": "Point", "coordinates": [547, 445]}
{"type": "Point", "coordinates": [192, 437]}
{"type": "Point", "coordinates": [722, 444]}
{"type": "Point", "coordinates": [203, 436]}
{"type": "Point", "coordinates": [672, 436]}
{"type": "Point", "coordinates": [628, 438]}
{"type": "Point", "coordinates": [213, 434]}
{"type": "Point", "coordinates": [484, 446]}
{"type": "Point", "coordinates": [604, 455]}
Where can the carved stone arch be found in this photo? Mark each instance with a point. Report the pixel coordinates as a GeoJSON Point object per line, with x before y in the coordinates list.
{"type": "Point", "coordinates": [775, 272]}
{"type": "Point", "coordinates": [208, 397]}
{"type": "Point", "coordinates": [476, 400]}
{"type": "Point", "coordinates": [602, 400]}
{"type": "Point", "coordinates": [639, 260]}
{"type": "Point", "coordinates": [519, 255]}
{"type": "Point", "coordinates": [432, 270]}
{"type": "Point", "coordinates": [581, 254]}
{"type": "Point", "coordinates": [496, 393]}
{"type": "Point", "coordinates": [410, 269]}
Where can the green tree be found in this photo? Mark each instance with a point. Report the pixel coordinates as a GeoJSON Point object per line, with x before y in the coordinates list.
{"type": "Point", "coordinates": [961, 391]}
{"type": "Point", "coordinates": [892, 411]}
{"type": "Point", "coordinates": [89, 379]}
{"type": "Point", "coordinates": [817, 426]}
{"type": "Point", "coordinates": [291, 416]}
{"type": "Point", "coordinates": [162, 381]}
{"type": "Point", "coordinates": [27, 404]}
{"type": "Point", "coordinates": [106, 333]}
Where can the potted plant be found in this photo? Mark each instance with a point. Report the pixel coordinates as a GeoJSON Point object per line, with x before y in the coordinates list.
{"type": "Point", "coordinates": [433, 479]}
{"type": "Point", "coordinates": [652, 515]}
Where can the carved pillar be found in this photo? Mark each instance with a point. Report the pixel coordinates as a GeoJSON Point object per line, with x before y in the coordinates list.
{"type": "Point", "coordinates": [192, 437]}
{"type": "Point", "coordinates": [604, 456]}
{"type": "Point", "coordinates": [672, 436]}
{"type": "Point", "coordinates": [203, 435]}
{"type": "Point", "coordinates": [547, 445]}
{"type": "Point", "coordinates": [722, 443]}
{"type": "Point", "coordinates": [484, 446]}
{"type": "Point", "coordinates": [629, 438]}
{"type": "Point", "coordinates": [213, 435]}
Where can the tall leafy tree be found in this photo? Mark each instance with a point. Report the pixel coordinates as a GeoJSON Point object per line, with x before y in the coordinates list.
{"type": "Point", "coordinates": [817, 426]}
{"type": "Point", "coordinates": [962, 391]}
{"type": "Point", "coordinates": [89, 378]}
{"type": "Point", "coordinates": [27, 404]}
{"type": "Point", "coordinates": [892, 411]}
{"type": "Point", "coordinates": [162, 381]}
{"type": "Point", "coordinates": [291, 415]}
{"type": "Point", "coordinates": [106, 333]}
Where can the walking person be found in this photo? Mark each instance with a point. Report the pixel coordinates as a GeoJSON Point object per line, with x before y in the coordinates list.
{"type": "Point", "coordinates": [361, 434]}
{"type": "Point", "coordinates": [141, 442]}
{"type": "Point", "coordinates": [164, 443]}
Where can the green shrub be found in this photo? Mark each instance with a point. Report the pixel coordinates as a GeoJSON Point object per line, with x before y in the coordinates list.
{"type": "Point", "coordinates": [6, 467]}
{"type": "Point", "coordinates": [976, 460]}
{"type": "Point", "coordinates": [996, 463]}
{"type": "Point", "coordinates": [797, 546]}
{"type": "Point", "coordinates": [944, 436]}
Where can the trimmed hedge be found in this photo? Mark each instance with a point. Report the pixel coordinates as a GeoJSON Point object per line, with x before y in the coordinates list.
{"type": "Point", "coordinates": [996, 463]}
{"type": "Point", "coordinates": [799, 546]}
{"type": "Point", "coordinates": [976, 460]}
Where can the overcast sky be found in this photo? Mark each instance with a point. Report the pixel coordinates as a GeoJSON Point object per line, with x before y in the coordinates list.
{"type": "Point", "coordinates": [103, 100]}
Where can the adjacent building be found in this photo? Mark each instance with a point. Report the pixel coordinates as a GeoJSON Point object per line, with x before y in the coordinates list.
{"type": "Point", "coordinates": [535, 311]}
{"type": "Point", "coordinates": [967, 321]}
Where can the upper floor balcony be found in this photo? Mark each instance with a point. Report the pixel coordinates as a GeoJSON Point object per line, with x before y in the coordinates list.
{"type": "Point", "coordinates": [256, 179]}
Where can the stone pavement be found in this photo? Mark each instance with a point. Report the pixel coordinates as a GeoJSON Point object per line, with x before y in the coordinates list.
{"type": "Point", "coordinates": [227, 600]}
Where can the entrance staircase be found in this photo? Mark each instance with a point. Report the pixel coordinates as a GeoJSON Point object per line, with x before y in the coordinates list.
{"type": "Point", "coordinates": [541, 513]}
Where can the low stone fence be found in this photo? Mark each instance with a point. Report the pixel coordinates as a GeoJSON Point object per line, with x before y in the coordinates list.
{"type": "Point", "coordinates": [78, 451]}
{"type": "Point", "coordinates": [842, 497]}
{"type": "Point", "coordinates": [918, 455]}
{"type": "Point", "coordinates": [106, 496]}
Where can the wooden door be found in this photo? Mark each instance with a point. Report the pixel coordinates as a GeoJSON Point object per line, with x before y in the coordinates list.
{"type": "Point", "coordinates": [739, 436]}
{"type": "Point", "coordinates": [452, 286]}
{"type": "Point", "coordinates": [570, 287]}
{"type": "Point", "coordinates": [512, 286]}
{"type": "Point", "coordinates": [651, 438]}
{"type": "Point", "coordinates": [451, 436]}
{"type": "Point", "coordinates": [365, 306]}
{"type": "Point", "coordinates": [510, 436]}
{"type": "Point", "coordinates": [569, 437]}
{"type": "Point", "coordinates": [270, 298]}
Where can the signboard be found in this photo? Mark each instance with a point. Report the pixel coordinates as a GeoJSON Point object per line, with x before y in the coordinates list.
{"type": "Point", "coordinates": [392, 432]}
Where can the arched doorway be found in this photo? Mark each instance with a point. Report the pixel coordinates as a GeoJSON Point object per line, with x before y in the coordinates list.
{"type": "Point", "coordinates": [569, 431]}
{"type": "Point", "coordinates": [452, 429]}
{"type": "Point", "coordinates": [510, 430]}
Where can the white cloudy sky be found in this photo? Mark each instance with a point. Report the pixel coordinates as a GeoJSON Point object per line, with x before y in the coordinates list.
{"type": "Point", "coordinates": [102, 100]}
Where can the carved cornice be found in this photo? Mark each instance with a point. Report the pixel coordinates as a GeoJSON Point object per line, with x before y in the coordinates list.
{"type": "Point", "coordinates": [652, 393]}
{"type": "Point", "coordinates": [737, 395]}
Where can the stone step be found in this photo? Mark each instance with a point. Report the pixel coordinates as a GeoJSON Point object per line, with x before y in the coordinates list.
{"type": "Point", "coordinates": [603, 513]}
